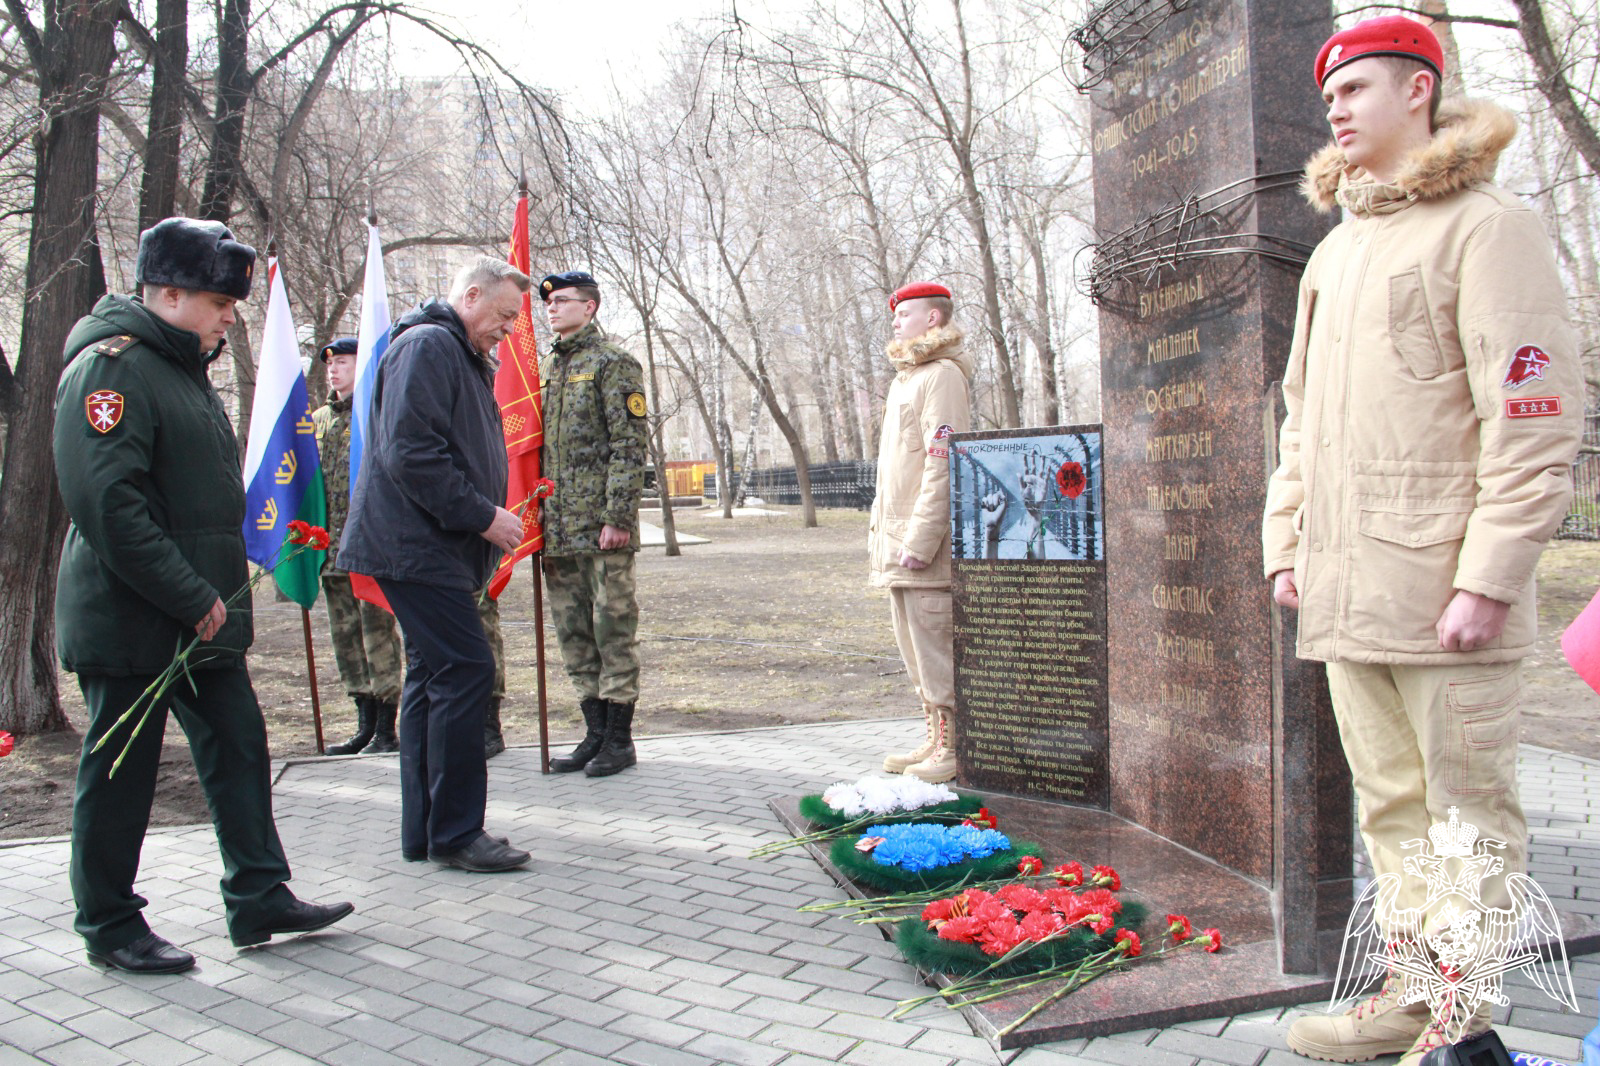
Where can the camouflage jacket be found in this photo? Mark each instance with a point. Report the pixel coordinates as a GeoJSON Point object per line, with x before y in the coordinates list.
{"type": "Point", "coordinates": [332, 420]}
{"type": "Point", "coordinates": [594, 442]}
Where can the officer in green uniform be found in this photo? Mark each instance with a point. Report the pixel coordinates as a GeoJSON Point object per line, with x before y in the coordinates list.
{"type": "Point", "coordinates": [594, 452]}
{"type": "Point", "coordinates": [149, 469]}
{"type": "Point", "coordinates": [366, 642]}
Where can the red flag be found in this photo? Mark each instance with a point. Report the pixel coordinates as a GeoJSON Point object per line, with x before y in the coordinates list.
{"type": "Point", "coordinates": [516, 386]}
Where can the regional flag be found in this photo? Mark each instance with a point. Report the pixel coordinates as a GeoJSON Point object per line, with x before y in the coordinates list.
{"type": "Point", "coordinates": [516, 386]}
{"type": "Point", "coordinates": [372, 340]}
{"type": "Point", "coordinates": [282, 470]}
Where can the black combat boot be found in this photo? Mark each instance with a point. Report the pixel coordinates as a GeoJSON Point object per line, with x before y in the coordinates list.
{"type": "Point", "coordinates": [493, 742]}
{"type": "Point", "coordinates": [366, 717]}
{"type": "Point", "coordinates": [617, 753]}
{"type": "Point", "coordinates": [384, 742]}
{"type": "Point", "coordinates": [594, 718]}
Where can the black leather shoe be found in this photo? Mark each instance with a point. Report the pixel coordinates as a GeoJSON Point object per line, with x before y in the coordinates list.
{"type": "Point", "coordinates": [148, 954]}
{"type": "Point", "coordinates": [298, 917]}
{"type": "Point", "coordinates": [485, 855]}
{"type": "Point", "coordinates": [421, 854]}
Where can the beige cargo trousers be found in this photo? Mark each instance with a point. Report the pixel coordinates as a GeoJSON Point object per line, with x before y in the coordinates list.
{"type": "Point", "coordinates": [1421, 740]}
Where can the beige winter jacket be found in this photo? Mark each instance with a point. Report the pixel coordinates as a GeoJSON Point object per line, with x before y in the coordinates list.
{"type": "Point", "coordinates": [1434, 404]}
{"type": "Point", "coordinates": [928, 401]}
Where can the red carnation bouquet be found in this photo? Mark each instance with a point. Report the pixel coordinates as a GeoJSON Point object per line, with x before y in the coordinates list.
{"type": "Point", "coordinates": [302, 537]}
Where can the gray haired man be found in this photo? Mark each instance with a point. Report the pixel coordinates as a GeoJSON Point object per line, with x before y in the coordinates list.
{"type": "Point", "coordinates": [426, 521]}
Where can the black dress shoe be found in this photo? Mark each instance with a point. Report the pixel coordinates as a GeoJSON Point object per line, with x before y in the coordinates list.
{"type": "Point", "coordinates": [485, 855]}
{"type": "Point", "coordinates": [148, 954]}
{"type": "Point", "coordinates": [421, 854]}
{"type": "Point", "coordinates": [298, 917]}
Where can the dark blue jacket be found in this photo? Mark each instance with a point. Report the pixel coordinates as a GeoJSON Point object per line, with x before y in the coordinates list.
{"type": "Point", "coordinates": [433, 468]}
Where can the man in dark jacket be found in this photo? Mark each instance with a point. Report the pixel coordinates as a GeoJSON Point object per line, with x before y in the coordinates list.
{"type": "Point", "coordinates": [426, 522]}
{"type": "Point", "coordinates": [149, 470]}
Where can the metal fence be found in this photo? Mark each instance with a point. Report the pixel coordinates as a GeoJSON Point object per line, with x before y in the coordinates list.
{"type": "Point", "coordinates": [851, 483]}
{"type": "Point", "coordinates": [1583, 522]}
{"type": "Point", "coordinates": [845, 483]}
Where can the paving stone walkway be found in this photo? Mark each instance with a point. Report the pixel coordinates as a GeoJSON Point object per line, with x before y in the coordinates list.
{"type": "Point", "coordinates": [640, 934]}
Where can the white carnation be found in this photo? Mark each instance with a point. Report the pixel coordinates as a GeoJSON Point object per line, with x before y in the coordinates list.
{"type": "Point", "coordinates": [883, 795]}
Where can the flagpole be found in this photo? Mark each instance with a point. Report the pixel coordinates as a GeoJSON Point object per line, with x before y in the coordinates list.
{"type": "Point", "coordinates": [538, 658]}
{"type": "Point", "coordinates": [311, 670]}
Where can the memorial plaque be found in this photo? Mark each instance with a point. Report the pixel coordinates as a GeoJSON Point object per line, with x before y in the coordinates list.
{"type": "Point", "coordinates": [1029, 583]}
{"type": "Point", "coordinates": [1219, 739]}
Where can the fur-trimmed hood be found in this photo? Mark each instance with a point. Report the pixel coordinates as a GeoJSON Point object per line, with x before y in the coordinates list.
{"type": "Point", "coordinates": [1464, 152]}
{"type": "Point", "coordinates": [940, 342]}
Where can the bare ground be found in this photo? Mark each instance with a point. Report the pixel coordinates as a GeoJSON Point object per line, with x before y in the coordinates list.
{"type": "Point", "coordinates": [768, 624]}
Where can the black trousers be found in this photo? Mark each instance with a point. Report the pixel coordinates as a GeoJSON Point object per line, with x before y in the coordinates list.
{"type": "Point", "coordinates": [444, 778]}
{"type": "Point", "coordinates": [228, 739]}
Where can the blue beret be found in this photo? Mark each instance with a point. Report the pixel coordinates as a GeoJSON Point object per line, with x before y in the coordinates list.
{"type": "Point", "coordinates": [342, 346]}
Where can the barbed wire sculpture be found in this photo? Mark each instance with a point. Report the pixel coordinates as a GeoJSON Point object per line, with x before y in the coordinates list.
{"type": "Point", "coordinates": [1110, 31]}
{"type": "Point", "coordinates": [1198, 227]}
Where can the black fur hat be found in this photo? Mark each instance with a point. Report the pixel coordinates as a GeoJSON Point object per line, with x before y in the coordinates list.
{"type": "Point", "coordinates": [189, 253]}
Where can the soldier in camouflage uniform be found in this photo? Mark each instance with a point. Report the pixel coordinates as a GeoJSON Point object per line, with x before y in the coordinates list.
{"type": "Point", "coordinates": [366, 643]}
{"type": "Point", "coordinates": [494, 742]}
{"type": "Point", "coordinates": [594, 451]}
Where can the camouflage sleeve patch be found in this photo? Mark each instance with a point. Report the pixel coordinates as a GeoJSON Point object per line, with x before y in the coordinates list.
{"type": "Point", "coordinates": [636, 404]}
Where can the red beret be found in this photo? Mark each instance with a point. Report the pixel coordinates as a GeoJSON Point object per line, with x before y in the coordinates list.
{"type": "Point", "coordinates": [1392, 35]}
{"type": "Point", "coordinates": [917, 290]}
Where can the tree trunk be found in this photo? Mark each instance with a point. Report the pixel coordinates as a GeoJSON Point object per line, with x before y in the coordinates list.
{"type": "Point", "coordinates": [158, 191]}
{"type": "Point", "coordinates": [658, 451]}
{"type": "Point", "coordinates": [64, 277]}
{"type": "Point", "coordinates": [224, 166]}
{"type": "Point", "coordinates": [1554, 85]}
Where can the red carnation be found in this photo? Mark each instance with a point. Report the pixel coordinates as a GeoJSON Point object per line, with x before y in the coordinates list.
{"type": "Point", "coordinates": [986, 818]}
{"type": "Point", "coordinates": [1000, 936]}
{"type": "Point", "coordinates": [1211, 938]}
{"type": "Point", "coordinates": [318, 540]}
{"type": "Point", "coordinates": [964, 930]}
{"type": "Point", "coordinates": [1100, 921]}
{"type": "Point", "coordinates": [1131, 939]}
{"type": "Point", "coordinates": [1070, 480]}
{"type": "Point", "coordinates": [1178, 927]}
{"type": "Point", "coordinates": [1041, 925]}
{"type": "Point", "coordinates": [939, 910]}
{"type": "Point", "coordinates": [1022, 898]}
{"type": "Point", "coordinates": [1030, 865]}
{"type": "Point", "coordinates": [7, 743]}
{"type": "Point", "coordinates": [543, 487]}
{"type": "Point", "coordinates": [1105, 875]}
{"type": "Point", "coordinates": [1070, 875]}
{"type": "Point", "coordinates": [1101, 899]}
{"type": "Point", "coordinates": [299, 532]}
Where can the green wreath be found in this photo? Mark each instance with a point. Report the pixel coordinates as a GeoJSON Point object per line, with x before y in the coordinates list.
{"type": "Point", "coordinates": [861, 866]}
{"type": "Point", "coordinates": [923, 949]}
{"type": "Point", "coordinates": [820, 814]}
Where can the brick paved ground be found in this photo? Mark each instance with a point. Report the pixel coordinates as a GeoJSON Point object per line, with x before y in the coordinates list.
{"type": "Point", "coordinates": [640, 934]}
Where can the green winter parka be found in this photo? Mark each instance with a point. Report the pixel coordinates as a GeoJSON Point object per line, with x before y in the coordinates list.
{"type": "Point", "coordinates": [594, 442]}
{"type": "Point", "coordinates": [149, 470]}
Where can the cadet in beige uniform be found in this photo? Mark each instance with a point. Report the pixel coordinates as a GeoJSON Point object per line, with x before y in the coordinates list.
{"type": "Point", "coordinates": [1434, 408]}
{"type": "Point", "coordinates": [909, 538]}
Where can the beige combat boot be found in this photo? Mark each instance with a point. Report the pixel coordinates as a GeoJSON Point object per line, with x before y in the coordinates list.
{"type": "Point", "coordinates": [940, 765]}
{"type": "Point", "coordinates": [1434, 1035]}
{"type": "Point", "coordinates": [896, 764]}
{"type": "Point", "coordinates": [1377, 1026]}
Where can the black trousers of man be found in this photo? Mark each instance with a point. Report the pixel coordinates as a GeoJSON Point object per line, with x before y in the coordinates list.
{"type": "Point", "coordinates": [228, 740]}
{"type": "Point", "coordinates": [444, 778]}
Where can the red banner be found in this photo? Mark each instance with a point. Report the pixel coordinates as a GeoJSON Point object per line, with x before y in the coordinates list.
{"type": "Point", "coordinates": [516, 386]}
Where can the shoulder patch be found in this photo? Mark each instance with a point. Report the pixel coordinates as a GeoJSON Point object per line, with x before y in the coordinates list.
{"type": "Point", "coordinates": [103, 409]}
{"type": "Point", "coordinates": [636, 406]}
{"type": "Point", "coordinates": [1533, 407]}
{"type": "Point", "coordinates": [114, 346]}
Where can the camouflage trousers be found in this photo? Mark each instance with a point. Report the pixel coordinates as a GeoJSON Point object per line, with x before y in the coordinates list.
{"type": "Point", "coordinates": [366, 641]}
{"type": "Point", "coordinates": [489, 615]}
{"type": "Point", "coordinates": [596, 615]}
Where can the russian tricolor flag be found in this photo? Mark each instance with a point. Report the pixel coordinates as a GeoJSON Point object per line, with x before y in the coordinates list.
{"type": "Point", "coordinates": [282, 470]}
{"type": "Point", "coordinates": [372, 340]}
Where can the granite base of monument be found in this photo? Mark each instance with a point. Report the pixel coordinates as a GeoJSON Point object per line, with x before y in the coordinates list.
{"type": "Point", "coordinates": [1188, 986]}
